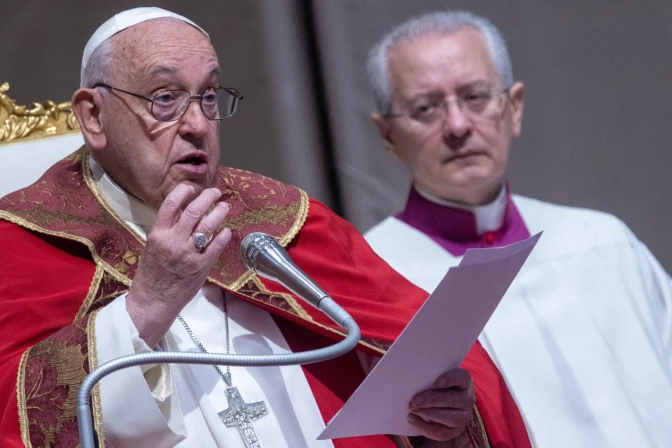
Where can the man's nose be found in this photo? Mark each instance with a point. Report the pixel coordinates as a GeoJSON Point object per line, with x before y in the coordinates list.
{"type": "Point", "coordinates": [456, 122]}
{"type": "Point", "coordinates": [194, 121]}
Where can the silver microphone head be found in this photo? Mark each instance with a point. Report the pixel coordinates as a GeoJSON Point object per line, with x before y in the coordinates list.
{"type": "Point", "coordinates": [253, 245]}
{"type": "Point", "coordinates": [268, 259]}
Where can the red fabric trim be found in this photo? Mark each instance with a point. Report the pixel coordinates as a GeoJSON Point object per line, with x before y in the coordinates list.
{"type": "Point", "coordinates": [43, 281]}
{"type": "Point", "coordinates": [10, 432]}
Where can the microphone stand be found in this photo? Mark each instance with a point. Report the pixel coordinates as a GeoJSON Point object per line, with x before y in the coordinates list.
{"type": "Point", "coordinates": [277, 267]}
{"type": "Point", "coordinates": [84, 420]}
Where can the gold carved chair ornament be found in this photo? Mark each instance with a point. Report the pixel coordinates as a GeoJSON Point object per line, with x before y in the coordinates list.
{"type": "Point", "coordinates": [32, 139]}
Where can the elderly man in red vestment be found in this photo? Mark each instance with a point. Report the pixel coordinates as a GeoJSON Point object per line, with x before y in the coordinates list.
{"type": "Point", "coordinates": [102, 259]}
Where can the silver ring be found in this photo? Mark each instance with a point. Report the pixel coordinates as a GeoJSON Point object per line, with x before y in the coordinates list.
{"type": "Point", "coordinates": [200, 240]}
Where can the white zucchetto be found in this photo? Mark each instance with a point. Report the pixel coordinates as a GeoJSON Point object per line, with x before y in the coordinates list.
{"type": "Point", "coordinates": [123, 20]}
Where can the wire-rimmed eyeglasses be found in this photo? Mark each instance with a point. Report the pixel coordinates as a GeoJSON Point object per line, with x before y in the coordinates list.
{"type": "Point", "coordinates": [169, 105]}
{"type": "Point", "coordinates": [480, 103]}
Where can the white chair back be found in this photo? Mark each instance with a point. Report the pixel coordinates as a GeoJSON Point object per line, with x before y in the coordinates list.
{"type": "Point", "coordinates": [33, 139]}
{"type": "Point", "coordinates": [23, 162]}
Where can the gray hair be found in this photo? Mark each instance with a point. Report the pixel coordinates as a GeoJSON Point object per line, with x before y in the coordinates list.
{"type": "Point", "coordinates": [97, 68]}
{"type": "Point", "coordinates": [444, 22]}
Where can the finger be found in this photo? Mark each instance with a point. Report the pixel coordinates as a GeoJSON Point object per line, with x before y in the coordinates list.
{"type": "Point", "coordinates": [434, 431]}
{"type": "Point", "coordinates": [171, 209]}
{"type": "Point", "coordinates": [453, 418]}
{"type": "Point", "coordinates": [213, 220]}
{"type": "Point", "coordinates": [196, 209]}
{"type": "Point", "coordinates": [442, 398]}
{"type": "Point", "coordinates": [218, 243]}
{"type": "Point", "coordinates": [457, 378]}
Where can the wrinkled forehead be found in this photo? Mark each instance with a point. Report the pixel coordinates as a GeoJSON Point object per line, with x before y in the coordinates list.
{"type": "Point", "coordinates": [161, 47]}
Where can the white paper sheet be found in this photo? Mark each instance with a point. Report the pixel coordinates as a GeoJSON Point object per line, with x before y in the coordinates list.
{"type": "Point", "coordinates": [436, 340]}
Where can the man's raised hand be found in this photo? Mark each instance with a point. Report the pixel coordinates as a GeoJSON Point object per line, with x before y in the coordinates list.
{"type": "Point", "coordinates": [172, 269]}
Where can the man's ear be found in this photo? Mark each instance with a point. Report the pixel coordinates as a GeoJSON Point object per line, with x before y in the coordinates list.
{"type": "Point", "coordinates": [517, 100]}
{"type": "Point", "coordinates": [86, 104]}
{"type": "Point", "coordinates": [384, 131]}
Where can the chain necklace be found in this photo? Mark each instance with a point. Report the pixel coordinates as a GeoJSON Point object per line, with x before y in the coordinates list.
{"type": "Point", "coordinates": [239, 414]}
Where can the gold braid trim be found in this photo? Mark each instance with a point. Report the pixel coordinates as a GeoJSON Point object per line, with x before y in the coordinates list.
{"type": "Point", "coordinates": [91, 295]}
{"type": "Point", "coordinates": [304, 315]}
{"type": "Point", "coordinates": [236, 285]}
{"type": "Point", "coordinates": [482, 425]}
{"type": "Point", "coordinates": [21, 398]}
{"type": "Point", "coordinates": [361, 342]}
{"type": "Point", "coordinates": [300, 219]}
{"type": "Point", "coordinates": [96, 404]}
{"type": "Point", "coordinates": [96, 258]}
{"type": "Point", "coordinates": [302, 215]}
{"type": "Point", "coordinates": [293, 303]}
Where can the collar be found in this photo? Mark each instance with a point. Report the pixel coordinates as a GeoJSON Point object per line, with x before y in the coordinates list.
{"type": "Point", "coordinates": [135, 212]}
{"type": "Point", "coordinates": [455, 221]}
{"type": "Point", "coordinates": [488, 217]}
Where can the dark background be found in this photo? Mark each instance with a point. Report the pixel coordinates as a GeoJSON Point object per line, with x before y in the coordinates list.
{"type": "Point", "coordinates": [598, 120]}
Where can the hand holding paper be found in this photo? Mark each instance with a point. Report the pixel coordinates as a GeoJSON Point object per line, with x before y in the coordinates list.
{"type": "Point", "coordinates": [434, 342]}
{"type": "Point", "coordinates": [441, 413]}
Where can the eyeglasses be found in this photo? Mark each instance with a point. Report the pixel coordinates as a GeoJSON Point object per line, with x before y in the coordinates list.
{"type": "Point", "coordinates": [476, 104]}
{"type": "Point", "coordinates": [169, 105]}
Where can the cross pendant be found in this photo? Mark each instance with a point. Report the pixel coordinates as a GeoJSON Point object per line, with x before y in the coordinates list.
{"type": "Point", "coordinates": [241, 415]}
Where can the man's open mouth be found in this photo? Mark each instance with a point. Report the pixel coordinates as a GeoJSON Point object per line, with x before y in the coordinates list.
{"type": "Point", "coordinates": [194, 160]}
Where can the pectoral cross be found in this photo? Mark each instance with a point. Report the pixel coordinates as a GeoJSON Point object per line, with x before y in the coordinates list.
{"type": "Point", "coordinates": [241, 415]}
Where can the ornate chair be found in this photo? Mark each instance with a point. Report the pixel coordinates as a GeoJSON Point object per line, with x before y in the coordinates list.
{"type": "Point", "coordinates": [33, 139]}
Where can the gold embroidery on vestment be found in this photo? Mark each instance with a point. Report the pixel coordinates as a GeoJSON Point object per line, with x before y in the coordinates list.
{"type": "Point", "coordinates": [481, 427]}
{"type": "Point", "coordinates": [68, 362]}
{"type": "Point", "coordinates": [21, 399]}
{"type": "Point", "coordinates": [91, 295]}
{"type": "Point", "coordinates": [300, 312]}
{"type": "Point", "coordinates": [96, 403]}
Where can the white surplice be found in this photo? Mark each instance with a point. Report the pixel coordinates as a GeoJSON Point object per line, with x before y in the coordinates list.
{"type": "Point", "coordinates": [177, 405]}
{"type": "Point", "coordinates": [584, 335]}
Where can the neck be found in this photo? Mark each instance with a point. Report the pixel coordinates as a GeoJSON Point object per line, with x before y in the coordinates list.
{"type": "Point", "coordinates": [471, 198]}
{"type": "Point", "coordinates": [128, 207]}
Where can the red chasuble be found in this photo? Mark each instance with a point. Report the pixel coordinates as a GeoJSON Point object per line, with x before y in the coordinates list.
{"type": "Point", "coordinates": [65, 254]}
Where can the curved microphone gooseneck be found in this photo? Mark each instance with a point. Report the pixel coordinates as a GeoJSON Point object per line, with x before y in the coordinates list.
{"type": "Point", "coordinates": [267, 258]}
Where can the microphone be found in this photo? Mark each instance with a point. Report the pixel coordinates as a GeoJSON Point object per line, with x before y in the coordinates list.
{"type": "Point", "coordinates": [263, 255]}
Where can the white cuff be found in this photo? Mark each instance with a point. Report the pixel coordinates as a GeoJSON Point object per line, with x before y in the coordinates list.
{"type": "Point", "coordinates": [158, 376]}
{"type": "Point", "coordinates": [132, 416]}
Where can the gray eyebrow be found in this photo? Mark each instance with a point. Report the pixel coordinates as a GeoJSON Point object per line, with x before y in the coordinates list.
{"type": "Point", "coordinates": [162, 69]}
